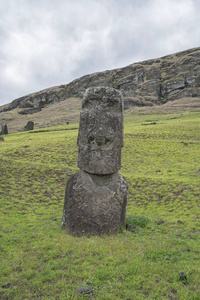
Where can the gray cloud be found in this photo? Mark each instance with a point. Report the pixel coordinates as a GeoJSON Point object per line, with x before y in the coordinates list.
{"type": "Point", "coordinates": [51, 42]}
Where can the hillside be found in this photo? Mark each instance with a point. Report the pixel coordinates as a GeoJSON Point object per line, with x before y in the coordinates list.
{"type": "Point", "coordinates": [161, 163]}
{"type": "Point", "coordinates": [143, 84]}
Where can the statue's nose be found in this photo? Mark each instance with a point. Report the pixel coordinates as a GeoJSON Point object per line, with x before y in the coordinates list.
{"type": "Point", "coordinates": [100, 140]}
{"type": "Point", "coordinates": [100, 137]}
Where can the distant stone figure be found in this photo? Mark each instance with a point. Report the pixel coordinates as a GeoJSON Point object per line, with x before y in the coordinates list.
{"type": "Point", "coordinates": [96, 196]}
{"type": "Point", "coordinates": [4, 129]}
{"type": "Point", "coordinates": [1, 139]}
{"type": "Point", "coordinates": [29, 126]}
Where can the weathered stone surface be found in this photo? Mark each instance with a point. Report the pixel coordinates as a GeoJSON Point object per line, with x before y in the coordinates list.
{"type": "Point", "coordinates": [101, 131]}
{"type": "Point", "coordinates": [84, 289]}
{"type": "Point", "coordinates": [96, 196]}
{"type": "Point", "coordinates": [193, 79]}
{"type": "Point", "coordinates": [4, 129]}
{"type": "Point", "coordinates": [188, 92]}
{"type": "Point", "coordinates": [29, 126]}
{"type": "Point", "coordinates": [172, 86]}
{"type": "Point", "coordinates": [36, 101]}
{"type": "Point", "coordinates": [29, 111]}
{"type": "Point", "coordinates": [94, 204]}
{"type": "Point", "coordinates": [39, 100]}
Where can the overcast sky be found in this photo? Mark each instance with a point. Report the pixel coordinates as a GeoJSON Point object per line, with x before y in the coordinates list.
{"type": "Point", "coordinates": [44, 43]}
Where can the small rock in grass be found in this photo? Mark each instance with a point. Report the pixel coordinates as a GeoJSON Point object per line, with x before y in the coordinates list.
{"type": "Point", "coordinates": [6, 286]}
{"type": "Point", "coordinates": [183, 277]}
{"type": "Point", "coordinates": [84, 289]}
{"type": "Point", "coordinates": [130, 227]}
{"type": "Point", "coordinates": [1, 139]}
{"type": "Point", "coordinates": [186, 250]}
{"type": "Point", "coordinates": [180, 222]}
{"type": "Point", "coordinates": [178, 235]}
{"type": "Point", "coordinates": [172, 294]}
{"type": "Point", "coordinates": [160, 222]}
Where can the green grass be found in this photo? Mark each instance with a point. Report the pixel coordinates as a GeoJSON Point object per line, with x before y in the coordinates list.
{"type": "Point", "coordinates": [161, 162]}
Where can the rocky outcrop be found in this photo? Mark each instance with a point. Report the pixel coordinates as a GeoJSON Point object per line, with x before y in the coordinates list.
{"type": "Point", "coordinates": [35, 102]}
{"type": "Point", "coordinates": [151, 82]}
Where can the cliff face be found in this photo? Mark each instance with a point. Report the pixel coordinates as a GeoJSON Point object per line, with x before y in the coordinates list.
{"type": "Point", "coordinates": [147, 83]}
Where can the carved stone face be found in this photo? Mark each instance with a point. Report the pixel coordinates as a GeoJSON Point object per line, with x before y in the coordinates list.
{"type": "Point", "coordinates": [101, 131]}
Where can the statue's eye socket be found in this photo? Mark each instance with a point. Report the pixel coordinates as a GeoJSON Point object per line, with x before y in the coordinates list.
{"type": "Point", "coordinates": [91, 138]}
{"type": "Point", "coordinates": [107, 139]}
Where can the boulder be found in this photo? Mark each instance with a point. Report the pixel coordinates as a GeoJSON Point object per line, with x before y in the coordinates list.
{"type": "Point", "coordinates": [29, 126]}
{"type": "Point", "coordinates": [171, 86]}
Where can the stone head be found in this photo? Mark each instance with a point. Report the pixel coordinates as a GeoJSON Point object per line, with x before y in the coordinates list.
{"type": "Point", "coordinates": [101, 131]}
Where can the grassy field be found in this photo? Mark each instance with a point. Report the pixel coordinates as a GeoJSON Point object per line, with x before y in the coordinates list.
{"type": "Point", "coordinates": [161, 162]}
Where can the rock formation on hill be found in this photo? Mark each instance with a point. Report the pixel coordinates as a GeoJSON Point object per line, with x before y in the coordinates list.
{"type": "Point", "coordinates": [150, 82]}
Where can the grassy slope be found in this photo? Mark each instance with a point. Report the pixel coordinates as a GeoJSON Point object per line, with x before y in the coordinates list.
{"type": "Point", "coordinates": [52, 115]}
{"type": "Point", "coordinates": [161, 163]}
{"type": "Point", "coordinates": [69, 111]}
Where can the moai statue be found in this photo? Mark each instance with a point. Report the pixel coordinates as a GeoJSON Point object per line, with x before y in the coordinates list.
{"type": "Point", "coordinates": [29, 126]}
{"type": "Point", "coordinates": [4, 129]}
{"type": "Point", "coordinates": [96, 196]}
